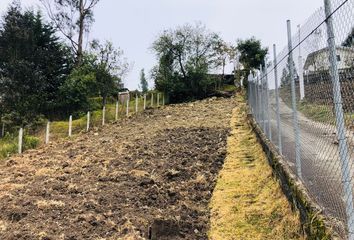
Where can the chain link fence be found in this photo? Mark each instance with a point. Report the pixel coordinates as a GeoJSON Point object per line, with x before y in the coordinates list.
{"type": "Point", "coordinates": [303, 99]}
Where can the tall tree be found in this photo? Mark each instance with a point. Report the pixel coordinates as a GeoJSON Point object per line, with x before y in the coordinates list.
{"type": "Point", "coordinates": [111, 67]}
{"type": "Point", "coordinates": [224, 53]}
{"type": "Point", "coordinates": [143, 81]}
{"type": "Point", "coordinates": [33, 65]}
{"type": "Point", "coordinates": [72, 18]}
{"type": "Point", "coordinates": [185, 55]}
{"type": "Point", "coordinates": [252, 55]}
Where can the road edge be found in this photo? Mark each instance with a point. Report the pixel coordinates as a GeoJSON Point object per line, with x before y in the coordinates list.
{"type": "Point", "coordinates": [315, 224]}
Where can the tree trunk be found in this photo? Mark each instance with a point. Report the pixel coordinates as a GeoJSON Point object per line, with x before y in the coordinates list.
{"type": "Point", "coordinates": [104, 100]}
{"type": "Point", "coordinates": [81, 33]}
{"type": "Point", "coordinates": [181, 66]}
{"type": "Point", "coordinates": [223, 74]}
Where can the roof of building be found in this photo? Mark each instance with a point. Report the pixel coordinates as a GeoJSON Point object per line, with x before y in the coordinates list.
{"type": "Point", "coordinates": [312, 55]}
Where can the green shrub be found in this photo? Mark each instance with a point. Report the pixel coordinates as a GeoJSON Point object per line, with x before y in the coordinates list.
{"type": "Point", "coordinates": [30, 142]}
{"type": "Point", "coordinates": [9, 144]}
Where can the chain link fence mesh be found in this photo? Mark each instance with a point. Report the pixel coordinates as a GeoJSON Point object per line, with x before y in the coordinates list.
{"type": "Point", "coordinates": [303, 99]}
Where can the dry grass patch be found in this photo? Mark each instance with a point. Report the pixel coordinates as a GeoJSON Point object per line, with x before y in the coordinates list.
{"type": "Point", "coordinates": [45, 172]}
{"type": "Point", "coordinates": [3, 226]}
{"type": "Point", "coordinates": [139, 173]}
{"type": "Point", "coordinates": [49, 204]}
{"type": "Point", "coordinates": [247, 202]}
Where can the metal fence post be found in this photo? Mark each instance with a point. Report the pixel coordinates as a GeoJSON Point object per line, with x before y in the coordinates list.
{"type": "Point", "coordinates": [301, 70]}
{"type": "Point", "coordinates": [47, 132]}
{"type": "Point", "coordinates": [20, 140]}
{"type": "Point", "coordinates": [257, 98]}
{"type": "Point", "coordinates": [280, 145]}
{"type": "Point", "coordinates": [293, 100]}
{"type": "Point", "coordinates": [88, 122]}
{"type": "Point", "coordinates": [340, 125]}
{"type": "Point", "coordinates": [268, 105]}
{"type": "Point", "coordinates": [70, 125]}
{"type": "Point", "coordinates": [249, 92]}
{"type": "Point", "coordinates": [253, 93]}
{"type": "Point", "coordinates": [262, 99]}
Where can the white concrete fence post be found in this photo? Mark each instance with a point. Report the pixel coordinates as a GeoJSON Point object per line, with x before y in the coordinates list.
{"type": "Point", "coordinates": [47, 132]}
{"type": "Point", "coordinates": [144, 102]}
{"type": "Point", "coordinates": [152, 99]}
{"type": "Point", "coordinates": [70, 125]}
{"type": "Point", "coordinates": [136, 103]}
{"type": "Point", "coordinates": [158, 100]}
{"type": "Point", "coordinates": [117, 111]}
{"type": "Point", "coordinates": [128, 99]}
{"type": "Point", "coordinates": [20, 140]}
{"type": "Point", "coordinates": [163, 99]}
{"type": "Point", "coordinates": [104, 115]}
{"type": "Point", "coordinates": [88, 121]}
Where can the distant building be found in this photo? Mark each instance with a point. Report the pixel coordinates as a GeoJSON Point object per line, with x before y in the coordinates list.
{"type": "Point", "coordinates": [319, 60]}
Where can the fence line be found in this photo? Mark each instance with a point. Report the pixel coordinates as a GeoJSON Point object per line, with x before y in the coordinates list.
{"type": "Point", "coordinates": [19, 137]}
{"type": "Point", "coordinates": [307, 111]}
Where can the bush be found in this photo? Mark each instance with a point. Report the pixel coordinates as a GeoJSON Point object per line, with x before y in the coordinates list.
{"type": "Point", "coordinates": [30, 142]}
{"type": "Point", "coordinates": [9, 144]}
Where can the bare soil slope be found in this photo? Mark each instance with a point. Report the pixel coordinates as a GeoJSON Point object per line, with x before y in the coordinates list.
{"type": "Point", "coordinates": [147, 177]}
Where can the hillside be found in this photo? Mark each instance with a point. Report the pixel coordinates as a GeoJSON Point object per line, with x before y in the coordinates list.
{"type": "Point", "coordinates": [126, 180]}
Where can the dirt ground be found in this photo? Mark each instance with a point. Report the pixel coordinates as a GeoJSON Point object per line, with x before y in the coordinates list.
{"type": "Point", "coordinates": [147, 177]}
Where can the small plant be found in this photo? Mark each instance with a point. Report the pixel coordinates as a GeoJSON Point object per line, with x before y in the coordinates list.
{"type": "Point", "coordinates": [30, 142]}
{"type": "Point", "coordinates": [9, 144]}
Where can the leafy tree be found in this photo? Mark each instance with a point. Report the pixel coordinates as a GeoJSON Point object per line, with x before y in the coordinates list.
{"type": "Point", "coordinates": [185, 55]}
{"type": "Point", "coordinates": [166, 79]}
{"type": "Point", "coordinates": [99, 74]}
{"type": "Point", "coordinates": [72, 18]}
{"type": "Point", "coordinates": [80, 85]}
{"type": "Point", "coordinates": [110, 67]}
{"type": "Point", "coordinates": [143, 81]}
{"type": "Point", "coordinates": [252, 55]}
{"type": "Point", "coordinates": [33, 65]}
{"type": "Point", "coordinates": [224, 53]}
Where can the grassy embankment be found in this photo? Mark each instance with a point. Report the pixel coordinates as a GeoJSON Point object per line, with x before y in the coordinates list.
{"type": "Point", "coordinates": [323, 113]}
{"type": "Point", "coordinates": [317, 112]}
{"type": "Point", "coordinates": [247, 202]}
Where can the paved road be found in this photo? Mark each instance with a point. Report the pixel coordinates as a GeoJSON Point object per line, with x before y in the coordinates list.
{"type": "Point", "coordinates": [320, 160]}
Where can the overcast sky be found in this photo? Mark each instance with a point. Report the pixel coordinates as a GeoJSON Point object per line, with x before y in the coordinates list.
{"type": "Point", "coordinates": [134, 24]}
